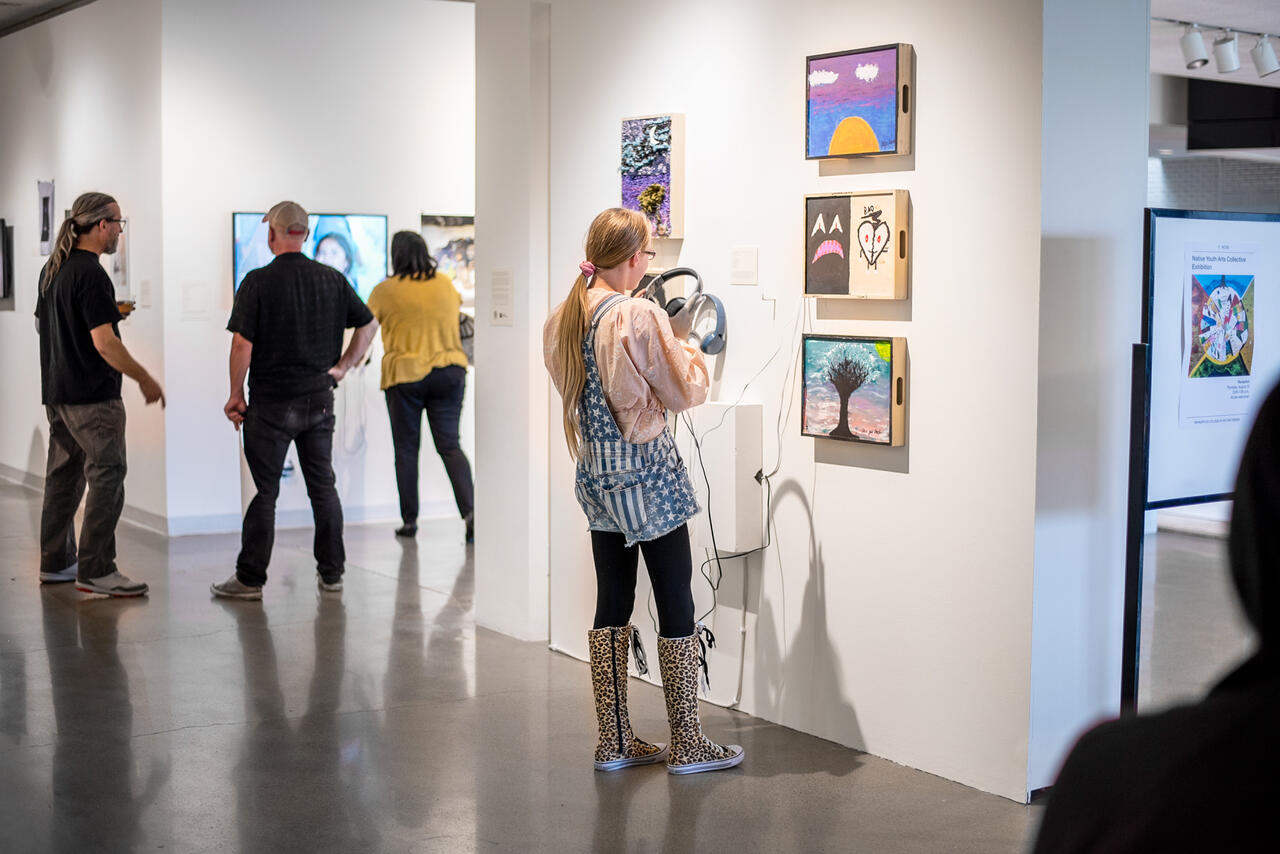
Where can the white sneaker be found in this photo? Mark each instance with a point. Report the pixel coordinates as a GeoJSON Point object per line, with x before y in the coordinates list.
{"type": "Point", "coordinates": [233, 589]}
{"type": "Point", "coordinates": [329, 586]}
{"type": "Point", "coordinates": [116, 584]}
{"type": "Point", "coordinates": [68, 574]}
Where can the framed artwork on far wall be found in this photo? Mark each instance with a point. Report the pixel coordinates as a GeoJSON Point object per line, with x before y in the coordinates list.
{"type": "Point", "coordinates": [858, 102]}
{"type": "Point", "coordinates": [857, 245]}
{"type": "Point", "coordinates": [451, 240]}
{"type": "Point", "coordinates": [854, 389]}
{"type": "Point", "coordinates": [6, 266]}
{"type": "Point", "coordinates": [652, 168]}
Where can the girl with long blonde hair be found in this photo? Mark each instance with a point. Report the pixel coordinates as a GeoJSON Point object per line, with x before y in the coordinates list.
{"type": "Point", "coordinates": [620, 367]}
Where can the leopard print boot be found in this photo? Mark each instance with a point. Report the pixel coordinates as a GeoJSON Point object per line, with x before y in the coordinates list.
{"type": "Point", "coordinates": [618, 746]}
{"type": "Point", "coordinates": [691, 751]}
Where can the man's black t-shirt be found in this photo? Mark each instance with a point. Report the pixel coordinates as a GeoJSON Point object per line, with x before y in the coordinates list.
{"type": "Point", "coordinates": [294, 311]}
{"type": "Point", "coordinates": [80, 298]}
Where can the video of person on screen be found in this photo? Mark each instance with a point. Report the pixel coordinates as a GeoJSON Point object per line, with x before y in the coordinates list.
{"type": "Point", "coordinates": [353, 244]}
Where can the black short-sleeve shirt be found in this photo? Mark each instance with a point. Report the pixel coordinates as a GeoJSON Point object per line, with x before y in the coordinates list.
{"type": "Point", "coordinates": [80, 298]}
{"type": "Point", "coordinates": [294, 310]}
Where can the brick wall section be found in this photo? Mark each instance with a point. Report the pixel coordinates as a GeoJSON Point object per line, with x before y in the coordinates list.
{"type": "Point", "coordinates": [1213, 184]}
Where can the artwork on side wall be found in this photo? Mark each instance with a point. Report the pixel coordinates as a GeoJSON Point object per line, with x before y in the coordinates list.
{"type": "Point", "coordinates": [451, 240]}
{"type": "Point", "coordinates": [652, 170]}
{"type": "Point", "coordinates": [853, 389]}
{"type": "Point", "coordinates": [858, 102]}
{"type": "Point", "coordinates": [857, 245]}
{"type": "Point", "coordinates": [6, 266]}
{"type": "Point", "coordinates": [48, 228]}
{"type": "Point", "coordinates": [117, 266]}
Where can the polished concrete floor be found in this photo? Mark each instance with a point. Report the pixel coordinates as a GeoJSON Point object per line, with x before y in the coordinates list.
{"type": "Point", "coordinates": [1193, 631]}
{"type": "Point", "coordinates": [382, 719]}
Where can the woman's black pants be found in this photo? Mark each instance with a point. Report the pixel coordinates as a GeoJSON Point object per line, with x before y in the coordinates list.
{"type": "Point", "coordinates": [439, 393]}
{"type": "Point", "coordinates": [670, 573]}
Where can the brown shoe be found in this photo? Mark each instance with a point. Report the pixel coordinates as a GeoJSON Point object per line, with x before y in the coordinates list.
{"type": "Point", "coordinates": [691, 751]}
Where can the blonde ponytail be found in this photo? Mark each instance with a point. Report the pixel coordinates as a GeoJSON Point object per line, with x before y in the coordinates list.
{"type": "Point", "coordinates": [573, 329]}
{"type": "Point", "coordinates": [87, 210]}
{"type": "Point", "coordinates": [615, 235]}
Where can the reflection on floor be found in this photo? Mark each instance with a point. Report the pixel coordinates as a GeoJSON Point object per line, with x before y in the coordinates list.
{"type": "Point", "coordinates": [1193, 631]}
{"type": "Point", "coordinates": [381, 719]}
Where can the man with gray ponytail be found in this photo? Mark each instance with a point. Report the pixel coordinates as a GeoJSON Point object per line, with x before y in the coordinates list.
{"type": "Point", "coordinates": [81, 362]}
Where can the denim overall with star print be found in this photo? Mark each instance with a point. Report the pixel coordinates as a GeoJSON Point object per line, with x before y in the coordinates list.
{"type": "Point", "coordinates": [641, 491]}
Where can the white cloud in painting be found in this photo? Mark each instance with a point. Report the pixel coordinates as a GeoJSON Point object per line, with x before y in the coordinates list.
{"type": "Point", "coordinates": [867, 73]}
{"type": "Point", "coordinates": [822, 78]}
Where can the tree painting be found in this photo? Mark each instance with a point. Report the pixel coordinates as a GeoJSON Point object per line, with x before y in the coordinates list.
{"type": "Point", "coordinates": [847, 388]}
{"type": "Point", "coordinates": [848, 367]}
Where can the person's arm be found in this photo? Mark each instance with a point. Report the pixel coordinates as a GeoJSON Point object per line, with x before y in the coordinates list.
{"type": "Point", "coordinates": [241, 355]}
{"type": "Point", "coordinates": [672, 367]}
{"type": "Point", "coordinates": [360, 342]}
{"type": "Point", "coordinates": [115, 354]}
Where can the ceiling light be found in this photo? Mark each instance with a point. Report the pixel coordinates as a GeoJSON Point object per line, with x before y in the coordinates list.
{"type": "Point", "coordinates": [1226, 52]}
{"type": "Point", "coordinates": [1264, 57]}
{"type": "Point", "coordinates": [1193, 49]}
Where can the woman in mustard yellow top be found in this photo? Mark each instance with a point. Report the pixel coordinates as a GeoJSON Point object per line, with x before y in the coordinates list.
{"type": "Point", "coordinates": [423, 368]}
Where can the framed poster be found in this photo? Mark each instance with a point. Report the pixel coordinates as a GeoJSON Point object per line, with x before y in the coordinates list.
{"type": "Point", "coordinates": [853, 389]}
{"type": "Point", "coordinates": [858, 102]}
{"type": "Point", "coordinates": [652, 167]}
{"type": "Point", "coordinates": [857, 245]}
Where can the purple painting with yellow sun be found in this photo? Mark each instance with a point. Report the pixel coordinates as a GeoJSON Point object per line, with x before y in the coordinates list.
{"type": "Point", "coordinates": [852, 103]}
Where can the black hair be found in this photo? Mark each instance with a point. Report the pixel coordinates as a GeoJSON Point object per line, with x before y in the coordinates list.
{"type": "Point", "coordinates": [409, 256]}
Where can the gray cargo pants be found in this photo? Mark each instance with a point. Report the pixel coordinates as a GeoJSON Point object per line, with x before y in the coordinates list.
{"type": "Point", "coordinates": [86, 447]}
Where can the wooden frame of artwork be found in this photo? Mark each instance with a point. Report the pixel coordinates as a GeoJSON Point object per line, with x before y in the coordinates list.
{"type": "Point", "coordinates": [858, 102]}
{"type": "Point", "coordinates": [857, 245]}
{"type": "Point", "coordinates": [854, 389]}
{"type": "Point", "coordinates": [652, 169]}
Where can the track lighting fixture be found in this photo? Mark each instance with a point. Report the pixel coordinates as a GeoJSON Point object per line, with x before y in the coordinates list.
{"type": "Point", "coordinates": [1226, 48]}
{"type": "Point", "coordinates": [1226, 52]}
{"type": "Point", "coordinates": [1264, 57]}
{"type": "Point", "coordinates": [1193, 52]}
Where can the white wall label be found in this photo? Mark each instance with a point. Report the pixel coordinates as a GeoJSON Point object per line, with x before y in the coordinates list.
{"type": "Point", "coordinates": [502, 299]}
{"type": "Point", "coordinates": [144, 293]}
{"type": "Point", "coordinates": [744, 263]}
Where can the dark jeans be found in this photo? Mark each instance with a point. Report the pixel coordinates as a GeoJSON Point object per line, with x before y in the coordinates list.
{"type": "Point", "coordinates": [269, 427]}
{"type": "Point", "coordinates": [670, 572]}
{"type": "Point", "coordinates": [440, 394]}
{"type": "Point", "coordinates": [86, 447]}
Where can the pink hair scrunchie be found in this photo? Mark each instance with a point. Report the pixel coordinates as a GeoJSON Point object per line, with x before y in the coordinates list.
{"type": "Point", "coordinates": [588, 269]}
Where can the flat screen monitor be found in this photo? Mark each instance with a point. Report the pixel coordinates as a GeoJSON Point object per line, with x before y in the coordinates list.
{"type": "Point", "coordinates": [353, 244]}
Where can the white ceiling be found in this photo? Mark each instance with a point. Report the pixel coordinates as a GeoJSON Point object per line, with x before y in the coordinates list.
{"type": "Point", "coordinates": [1258, 16]}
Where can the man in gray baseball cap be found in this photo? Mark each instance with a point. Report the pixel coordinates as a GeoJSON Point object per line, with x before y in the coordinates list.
{"type": "Point", "coordinates": [287, 326]}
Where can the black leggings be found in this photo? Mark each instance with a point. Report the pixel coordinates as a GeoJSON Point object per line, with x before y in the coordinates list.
{"type": "Point", "coordinates": [670, 572]}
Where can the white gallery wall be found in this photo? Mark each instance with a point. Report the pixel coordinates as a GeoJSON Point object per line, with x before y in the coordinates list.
{"type": "Point", "coordinates": [188, 111]}
{"type": "Point", "coordinates": [894, 609]}
{"type": "Point", "coordinates": [1094, 191]}
{"type": "Point", "coordinates": [80, 97]}
{"type": "Point", "coordinates": [893, 613]}
{"type": "Point", "coordinates": [352, 113]}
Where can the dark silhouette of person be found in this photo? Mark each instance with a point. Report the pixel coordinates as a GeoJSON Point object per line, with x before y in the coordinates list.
{"type": "Point", "coordinates": [1196, 777]}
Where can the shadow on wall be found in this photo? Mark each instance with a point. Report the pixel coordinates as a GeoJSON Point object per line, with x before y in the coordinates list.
{"type": "Point", "coordinates": [1078, 354]}
{"type": "Point", "coordinates": [796, 682]}
{"type": "Point", "coordinates": [1081, 349]}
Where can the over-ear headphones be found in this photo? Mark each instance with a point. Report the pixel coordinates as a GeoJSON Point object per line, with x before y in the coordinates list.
{"type": "Point", "coordinates": [714, 341]}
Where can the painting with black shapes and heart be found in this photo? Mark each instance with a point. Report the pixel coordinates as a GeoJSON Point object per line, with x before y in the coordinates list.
{"type": "Point", "coordinates": [873, 235]}
{"type": "Point", "coordinates": [828, 228]}
{"type": "Point", "coordinates": [857, 245]}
